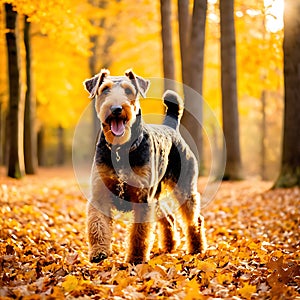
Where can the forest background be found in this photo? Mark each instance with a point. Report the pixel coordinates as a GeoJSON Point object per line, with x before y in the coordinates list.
{"type": "Point", "coordinates": [72, 40]}
{"type": "Point", "coordinates": [242, 56]}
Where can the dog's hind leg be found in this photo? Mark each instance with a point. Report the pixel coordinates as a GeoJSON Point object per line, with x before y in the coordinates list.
{"type": "Point", "coordinates": [168, 231]}
{"type": "Point", "coordinates": [193, 222]}
{"type": "Point", "coordinates": [168, 234]}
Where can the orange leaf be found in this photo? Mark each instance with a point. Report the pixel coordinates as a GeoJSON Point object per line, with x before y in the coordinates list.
{"type": "Point", "coordinates": [70, 283]}
{"type": "Point", "coordinates": [247, 290]}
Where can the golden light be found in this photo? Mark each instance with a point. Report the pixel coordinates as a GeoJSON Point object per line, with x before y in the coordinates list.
{"type": "Point", "coordinates": [274, 18]}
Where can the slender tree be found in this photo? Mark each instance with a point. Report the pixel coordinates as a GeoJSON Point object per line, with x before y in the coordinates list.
{"type": "Point", "coordinates": [30, 139]}
{"type": "Point", "coordinates": [1, 133]}
{"type": "Point", "coordinates": [184, 37]}
{"type": "Point", "coordinates": [290, 162]}
{"type": "Point", "coordinates": [61, 149]}
{"type": "Point", "coordinates": [15, 120]}
{"type": "Point", "coordinates": [167, 44]}
{"type": "Point", "coordinates": [196, 45]}
{"type": "Point", "coordinates": [233, 170]}
{"type": "Point", "coordinates": [263, 136]}
{"type": "Point", "coordinates": [41, 147]}
{"type": "Point", "coordinates": [99, 51]}
{"type": "Point", "coordinates": [192, 37]}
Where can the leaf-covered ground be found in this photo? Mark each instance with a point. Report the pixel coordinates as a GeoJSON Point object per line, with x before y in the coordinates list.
{"type": "Point", "coordinates": [253, 236]}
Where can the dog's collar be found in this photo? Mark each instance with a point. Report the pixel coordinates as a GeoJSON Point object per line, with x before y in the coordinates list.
{"type": "Point", "coordinates": [133, 147]}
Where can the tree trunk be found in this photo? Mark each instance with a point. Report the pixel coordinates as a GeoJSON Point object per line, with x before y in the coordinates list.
{"type": "Point", "coordinates": [263, 135]}
{"type": "Point", "coordinates": [233, 170]}
{"type": "Point", "coordinates": [41, 147]}
{"type": "Point", "coordinates": [93, 60]}
{"type": "Point", "coordinates": [1, 134]}
{"type": "Point", "coordinates": [6, 138]}
{"type": "Point", "coordinates": [192, 118]}
{"type": "Point", "coordinates": [61, 146]}
{"type": "Point", "coordinates": [94, 71]}
{"type": "Point", "coordinates": [196, 46]}
{"type": "Point", "coordinates": [15, 138]}
{"type": "Point", "coordinates": [290, 162]}
{"type": "Point", "coordinates": [184, 29]}
{"type": "Point", "coordinates": [167, 45]}
{"type": "Point", "coordinates": [30, 151]}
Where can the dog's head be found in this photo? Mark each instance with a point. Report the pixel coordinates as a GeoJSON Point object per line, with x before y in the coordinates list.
{"type": "Point", "coordinates": [117, 102]}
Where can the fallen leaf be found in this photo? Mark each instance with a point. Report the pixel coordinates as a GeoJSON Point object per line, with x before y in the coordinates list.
{"type": "Point", "coordinates": [247, 290]}
{"type": "Point", "coordinates": [70, 283]}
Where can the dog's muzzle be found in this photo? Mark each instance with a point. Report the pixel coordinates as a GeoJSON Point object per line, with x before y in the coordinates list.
{"type": "Point", "coordinates": [116, 121]}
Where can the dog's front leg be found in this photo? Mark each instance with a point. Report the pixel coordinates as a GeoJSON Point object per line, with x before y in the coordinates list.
{"type": "Point", "coordinates": [99, 234]}
{"type": "Point", "coordinates": [99, 221]}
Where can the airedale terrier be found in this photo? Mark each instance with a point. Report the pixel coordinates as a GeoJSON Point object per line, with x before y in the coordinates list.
{"type": "Point", "coordinates": [133, 164]}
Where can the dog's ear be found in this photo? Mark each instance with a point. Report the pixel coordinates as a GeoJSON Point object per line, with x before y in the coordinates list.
{"type": "Point", "coordinates": [91, 85]}
{"type": "Point", "coordinates": [141, 84]}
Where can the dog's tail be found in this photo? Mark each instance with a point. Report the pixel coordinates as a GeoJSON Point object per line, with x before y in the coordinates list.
{"type": "Point", "coordinates": [174, 106]}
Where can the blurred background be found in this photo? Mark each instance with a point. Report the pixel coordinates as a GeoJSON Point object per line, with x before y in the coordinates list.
{"type": "Point", "coordinates": [60, 43]}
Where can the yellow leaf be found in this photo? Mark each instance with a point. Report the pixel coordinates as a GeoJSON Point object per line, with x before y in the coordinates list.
{"type": "Point", "coordinates": [253, 246]}
{"type": "Point", "coordinates": [120, 276]}
{"type": "Point", "coordinates": [70, 283]}
{"type": "Point", "coordinates": [57, 293]}
{"type": "Point", "coordinates": [187, 257]}
{"type": "Point", "coordinates": [221, 278]}
{"type": "Point", "coordinates": [193, 290]}
{"type": "Point", "coordinates": [155, 261]}
{"type": "Point", "coordinates": [178, 267]}
{"type": "Point", "coordinates": [148, 285]}
{"type": "Point", "coordinates": [206, 266]}
{"type": "Point", "coordinates": [247, 290]}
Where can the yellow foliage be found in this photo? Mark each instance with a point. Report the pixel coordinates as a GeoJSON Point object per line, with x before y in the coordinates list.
{"type": "Point", "coordinates": [206, 266]}
{"type": "Point", "coordinates": [44, 246]}
{"type": "Point", "coordinates": [155, 261]}
{"type": "Point", "coordinates": [64, 21]}
{"type": "Point", "coordinates": [70, 283]}
{"type": "Point", "coordinates": [62, 30]}
{"type": "Point", "coordinates": [247, 290]}
{"type": "Point", "coordinates": [193, 290]}
{"type": "Point", "coordinates": [59, 90]}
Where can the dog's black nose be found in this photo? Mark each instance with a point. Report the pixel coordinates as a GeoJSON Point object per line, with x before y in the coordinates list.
{"type": "Point", "coordinates": [116, 110]}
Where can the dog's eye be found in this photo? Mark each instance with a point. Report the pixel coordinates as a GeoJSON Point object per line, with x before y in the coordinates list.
{"type": "Point", "coordinates": [105, 90]}
{"type": "Point", "coordinates": [128, 91]}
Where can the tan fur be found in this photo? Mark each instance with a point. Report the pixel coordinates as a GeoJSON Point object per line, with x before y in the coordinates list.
{"type": "Point", "coordinates": [117, 96]}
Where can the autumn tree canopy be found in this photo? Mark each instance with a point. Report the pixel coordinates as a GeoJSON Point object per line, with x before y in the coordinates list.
{"type": "Point", "coordinates": [61, 34]}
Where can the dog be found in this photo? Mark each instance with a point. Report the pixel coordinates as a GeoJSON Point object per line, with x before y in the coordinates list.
{"type": "Point", "coordinates": [134, 164]}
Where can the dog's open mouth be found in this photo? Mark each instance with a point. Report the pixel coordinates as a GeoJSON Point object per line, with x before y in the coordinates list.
{"type": "Point", "coordinates": [117, 126]}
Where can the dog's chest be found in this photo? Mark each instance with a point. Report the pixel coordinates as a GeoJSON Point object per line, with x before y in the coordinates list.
{"type": "Point", "coordinates": [134, 175]}
{"type": "Point", "coordinates": [124, 172]}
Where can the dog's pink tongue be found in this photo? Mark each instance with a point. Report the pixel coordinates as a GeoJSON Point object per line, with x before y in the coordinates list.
{"type": "Point", "coordinates": [117, 127]}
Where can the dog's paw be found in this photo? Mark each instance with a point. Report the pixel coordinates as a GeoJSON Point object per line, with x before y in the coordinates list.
{"type": "Point", "coordinates": [98, 257]}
